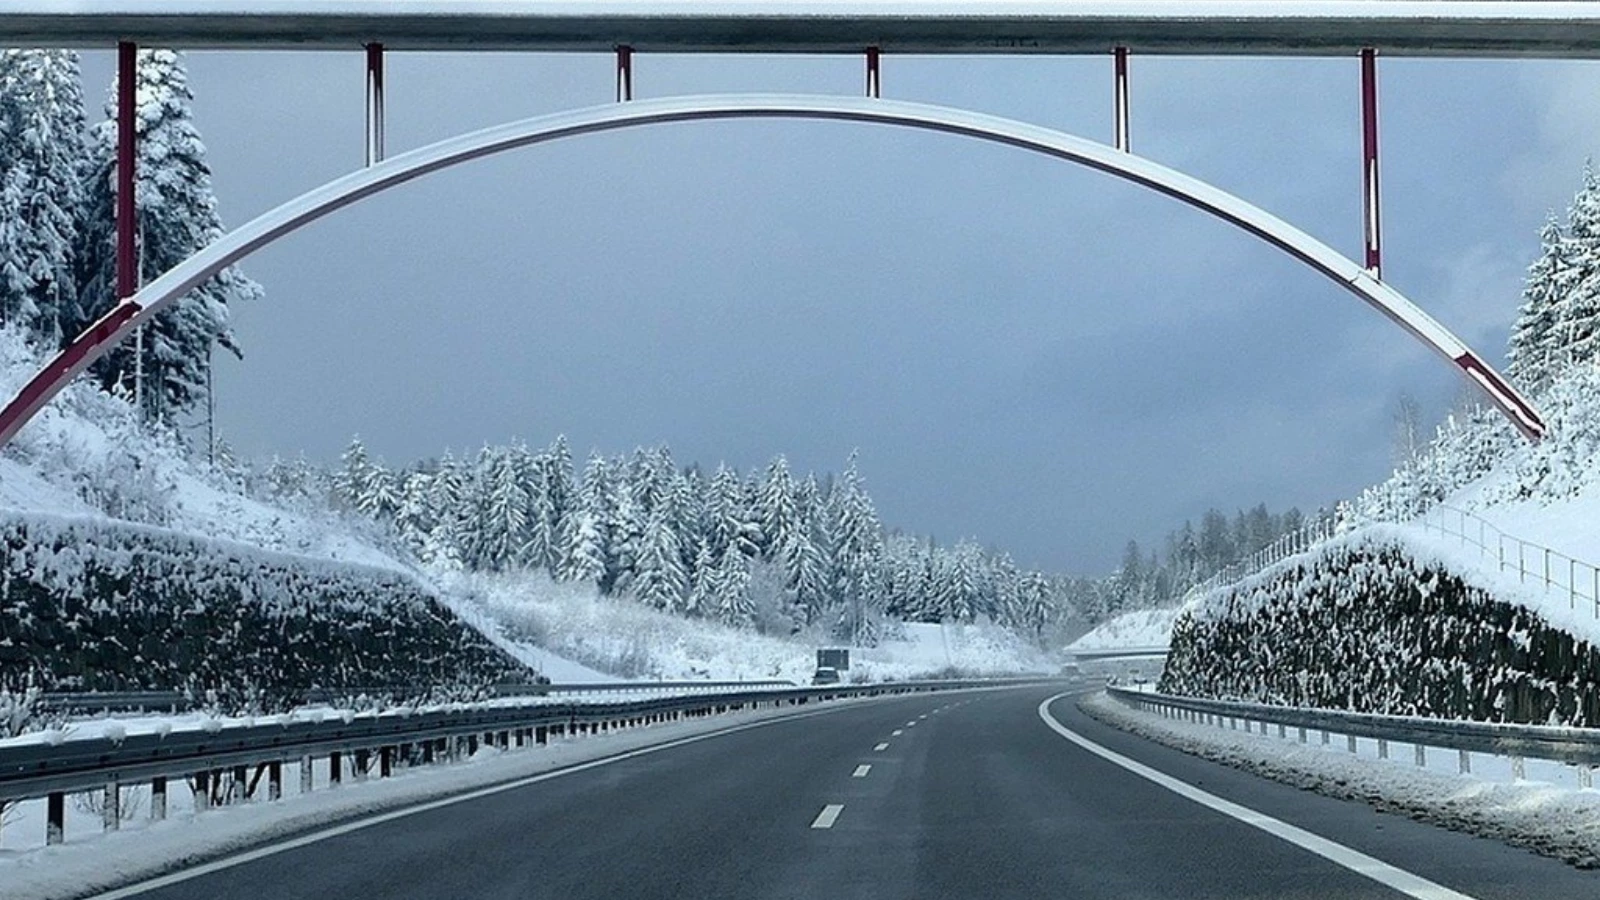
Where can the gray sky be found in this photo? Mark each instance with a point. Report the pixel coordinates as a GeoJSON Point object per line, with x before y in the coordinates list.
{"type": "Point", "coordinates": [1032, 355]}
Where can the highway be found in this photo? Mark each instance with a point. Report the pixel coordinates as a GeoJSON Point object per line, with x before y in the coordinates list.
{"type": "Point", "coordinates": [958, 795]}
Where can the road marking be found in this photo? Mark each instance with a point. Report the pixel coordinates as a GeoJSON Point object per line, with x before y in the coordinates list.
{"type": "Point", "coordinates": [861, 771]}
{"type": "Point", "coordinates": [1376, 869]}
{"type": "Point", "coordinates": [881, 747]}
{"type": "Point", "coordinates": [897, 732]}
{"type": "Point", "coordinates": [921, 717]}
{"type": "Point", "coordinates": [911, 723]}
{"type": "Point", "coordinates": [228, 862]}
{"type": "Point", "coordinates": [828, 816]}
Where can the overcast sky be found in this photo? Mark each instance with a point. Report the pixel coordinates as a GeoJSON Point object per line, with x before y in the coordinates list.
{"type": "Point", "coordinates": [1025, 353]}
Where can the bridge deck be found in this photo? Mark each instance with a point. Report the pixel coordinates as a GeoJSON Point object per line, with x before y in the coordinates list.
{"type": "Point", "coordinates": [1462, 28]}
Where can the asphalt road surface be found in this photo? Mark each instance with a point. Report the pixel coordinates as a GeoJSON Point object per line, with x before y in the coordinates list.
{"type": "Point", "coordinates": [958, 795]}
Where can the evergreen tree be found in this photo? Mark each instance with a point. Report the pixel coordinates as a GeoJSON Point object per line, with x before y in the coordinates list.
{"type": "Point", "coordinates": [1532, 335]}
{"type": "Point", "coordinates": [660, 581]}
{"type": "Point", "coordinates": [41, 191]}
{"type": "Point", "coordinates": [732, 578]}
{"type": "Point", "coordinates": [177, 216]}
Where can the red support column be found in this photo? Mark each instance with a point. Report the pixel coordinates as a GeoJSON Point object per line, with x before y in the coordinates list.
{"type": "Point", "coordinates": [1369, 162]}
{"type": "Point", "coordinates": [873, 81]}
{"type": "Point", "coordinates": [127, 145]}
{"type": "Point", "coordinates": [1121, 102]}
{"type": "Point", "coordinates": [624, 73]}
{"type": "Point", "coordinates": [374, 104]}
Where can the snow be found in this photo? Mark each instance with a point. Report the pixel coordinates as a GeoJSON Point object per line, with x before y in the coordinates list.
{"type": "Point", "coordinates": [1141, 628]}
{"type": "Point", "coordinates": [527, 612]}
{"type": "Point", "coordinates": [1545, 810]}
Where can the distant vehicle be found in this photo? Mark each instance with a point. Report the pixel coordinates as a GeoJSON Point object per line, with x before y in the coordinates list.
{"type": "Point", "coordinates": [825, 675]}
{"type": "Point", "coordinates": [1071, 670]}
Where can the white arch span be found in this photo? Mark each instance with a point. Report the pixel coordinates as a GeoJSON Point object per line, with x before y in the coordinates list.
{"type": "Point", "coordinates": [307, 208]}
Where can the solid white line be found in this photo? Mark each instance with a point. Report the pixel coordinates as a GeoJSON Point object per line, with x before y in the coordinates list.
{"type": "Point", "coordinates": [828, 816]}
{"type": "Point", "coordinates": [882, 746]}
{"type": "Point", "coordinates": [1376, 869]}
{"type": "Point", "coordinates": [861, 771]}
{"type": "Point", "coordinates": [897, 732]}
{"type": "Point", "coordinates": [228, 862]}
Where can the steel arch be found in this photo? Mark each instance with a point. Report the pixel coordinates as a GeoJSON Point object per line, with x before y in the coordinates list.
{"type": "Point", "coordinates": [268, 227]}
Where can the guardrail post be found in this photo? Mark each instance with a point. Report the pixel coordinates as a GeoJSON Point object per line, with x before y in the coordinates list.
{"type": "Point", "coordinates": [1302, 735]}
{"type": "Point", "coordinates": [1326, 737]}
{"type": "Point", "coordinates": [55, 818]}
{"type": "Point", "coordinates": [202, 790]}
{"type": "Point", "coordinates": [334, 767]}
{"type": "Point", "coordinates": [236, 792]}
{"type": "Point", "coordinates": [1464, 762]}
{"type": "Point", "coordinates": [306, 775]}
{"type": "Point", "coordinates": [1422, 756]}
{"type": "Point", "coordinates": [362, 762]}
{"type": "Point", "coordinates": [385, 761]}
{"type": "Point", "coordinates": [541, 734]}
{"type": "Point", "coordinates": [275, 780]}
{"type": "Point", "coordinates": [1383, 748]}
{"type": "Point", "coordinates": [1281, 732]}
{"type": "Point", "coordinates": [472, 744]}
{"type": "Point", "coordinates": [1350, 742]}
{"type": "Point", "coordinates": [111, 805]}
{"type": "Point", "coordinates": [158, 798]}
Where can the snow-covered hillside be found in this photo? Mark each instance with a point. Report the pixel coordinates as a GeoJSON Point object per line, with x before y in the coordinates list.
{"type": "Point", "coordinates": [533, 616]}
{"type": "Point", "coordinates": [1140, 628]}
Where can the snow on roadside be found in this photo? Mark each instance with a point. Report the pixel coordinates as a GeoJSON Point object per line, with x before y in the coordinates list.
{"type": "Point", "coordinates": [1545, 812]}
{"type": "Point", "coordinates": [629, 640]}
{"type": "Point", "coordinates": [1141, 628]}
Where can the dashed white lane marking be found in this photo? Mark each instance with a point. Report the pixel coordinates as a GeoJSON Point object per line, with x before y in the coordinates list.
{"type": "Point", "coordinates": [828, 816]}
{"type": "Point", "coordinates": [861, 771]}
{"type": "Point", "coordinates": [897, 732]}
{"type": "Point", "coordinates": [881, 747]}
{"type": "Point", "coordinates": [921, 717]}
{"type": "Point", "coordinates": [911, 723]}
{"type": "Point", "coordinates": [228, 862]}
{"type": "Point", "coordinates": [1354, 860]}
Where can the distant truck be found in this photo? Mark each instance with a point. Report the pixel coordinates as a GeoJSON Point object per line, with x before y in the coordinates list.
{"type": "Point", "coordinates": [836, 658]}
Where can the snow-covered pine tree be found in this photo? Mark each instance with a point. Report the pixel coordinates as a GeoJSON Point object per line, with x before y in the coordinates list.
{"type": "Point", "coordinates": [702, 600]}
{"type": "Point", "coordinates": [858, 550]}
{"type": "Point", "coordinates": [177, 214]}
{"type": "Point", "coordinates": [351, 482]}
{"type": "Point", "coordinates": [585, 552]}
{"type": "Point", "coordinates": [1531, 336]}
{"type": "Point", "coordinates": [500, 503]}
{"type": "Point", "coordinates": [1575, 335]}
{"type": "Point", "coordinates": [41, 190]}
{"type": "Point", "coordinates": [732, 578]}
{"type": "Point", "coordinates": [659, 580]}
{"type": "Point", "coordinates": [729, 522]}
{"type": "Point", "coordinates": [776, 505]}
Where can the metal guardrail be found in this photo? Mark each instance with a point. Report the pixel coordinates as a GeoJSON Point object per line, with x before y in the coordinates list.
{"type": "Point", "coordinates": [1578, 747]}
{"type": "Point", "coordinates": [111, 702]}
{"type": "Point", "coordinates": [1555, 571]}
{"type": "Point", "coordinates": [81, 764]}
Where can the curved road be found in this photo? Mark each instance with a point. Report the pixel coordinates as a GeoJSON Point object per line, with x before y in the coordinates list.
{"type": "Point", "coordinates": [972, 795]}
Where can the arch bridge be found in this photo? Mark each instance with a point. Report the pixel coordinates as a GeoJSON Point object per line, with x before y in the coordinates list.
{"type": "Point", "coordinates": [1361, 28]}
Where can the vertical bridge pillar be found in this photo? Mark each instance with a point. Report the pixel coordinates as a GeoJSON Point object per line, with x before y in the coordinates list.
{"type": "Point", "coordinates": [624, 73]}
{"type": "Point", "coordinates": [374, 104]}
{"type": "Point", "coordinates": [1370, 222]}
{"type": "Point", "coordinates": [874, 82]}
{"type": "Point", "coordinates": [127, 211]}
{"type": "Point", "coordinates": [1121, 101]}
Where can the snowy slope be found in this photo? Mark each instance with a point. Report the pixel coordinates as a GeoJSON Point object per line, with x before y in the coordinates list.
{"type": "Point", "coordinates": [1141, 628]}
{"type": "Point", "coordinates": [532, 615]}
